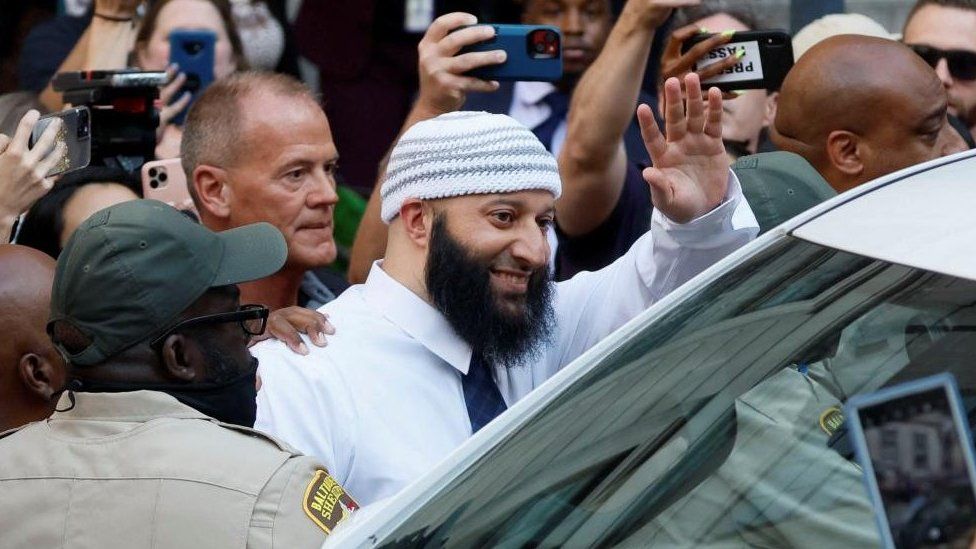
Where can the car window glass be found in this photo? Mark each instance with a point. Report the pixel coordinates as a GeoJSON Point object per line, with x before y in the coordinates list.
{"type": "Point", "coordinates": [719, 423]}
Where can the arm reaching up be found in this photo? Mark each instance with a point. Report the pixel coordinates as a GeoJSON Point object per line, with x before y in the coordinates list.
{"type": "Point", "coordinates": [700, 216]}
{"type": "Point", "coordinates": [23, 169]}
{"type": "Point", "coordinates": [443, 89]}
{"type": "Point", "coordinates": [105, 44]}
{"type": "Point", "coordinates": [593, 161]}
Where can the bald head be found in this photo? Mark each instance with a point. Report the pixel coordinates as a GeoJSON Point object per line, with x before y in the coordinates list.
{"type": "Point", "coordinates": [30, 369]}
{"type": "Point", "coordinates": [837, 109]}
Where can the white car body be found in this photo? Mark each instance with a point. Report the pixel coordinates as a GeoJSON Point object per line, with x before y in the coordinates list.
{"type": "Point", "coordinates": [923, 216]}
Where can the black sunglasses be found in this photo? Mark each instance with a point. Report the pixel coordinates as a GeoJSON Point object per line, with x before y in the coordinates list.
{"type": "Point", "coordinates": [962, 63]}
{"type": "Point", "coordinates": [252, 319]}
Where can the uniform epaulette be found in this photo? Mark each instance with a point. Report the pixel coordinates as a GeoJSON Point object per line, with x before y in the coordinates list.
{"type": "Point", "coordinates": [258, 434]}
{"type": "Point", "coordinates": [9, 432]}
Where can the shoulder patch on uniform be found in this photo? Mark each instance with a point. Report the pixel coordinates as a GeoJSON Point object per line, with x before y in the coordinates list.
{"type": "Point", "coordinates": [327, 503]}
{"type": "Point", "coordinates": [831, 419]}
{"type": "Point", "coordinates": [8, 432]}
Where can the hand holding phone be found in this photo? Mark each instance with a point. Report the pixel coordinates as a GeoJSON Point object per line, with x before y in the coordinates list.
{"type": "Point", "coordinates": [533, 52]}
{"type": "Point", "coordinates": [443, 84]}
{"type": "Point", "coordinates": [193, 52]}
{"type": "Point", "coordinates": [73, 138]}
{"type": "Point", "coordinates": [22, 169]}
{"type": "Point", "coordinates": [678, 60]}
{"type": "Point", "coordinates": [173, 100]}
{"type": "Point", "coordinates": [743, 60]}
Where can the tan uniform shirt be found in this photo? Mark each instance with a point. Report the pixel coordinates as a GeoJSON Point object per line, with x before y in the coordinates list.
{"type": "Point", "coordinates": [140, 469]}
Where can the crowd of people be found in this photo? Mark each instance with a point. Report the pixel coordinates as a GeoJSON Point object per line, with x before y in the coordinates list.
{"type": "Point", "coordinates": [308, 338]}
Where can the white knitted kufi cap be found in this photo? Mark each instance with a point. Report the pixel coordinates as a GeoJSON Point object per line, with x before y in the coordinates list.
{"type": "Point", "coordinates": [463, 153]}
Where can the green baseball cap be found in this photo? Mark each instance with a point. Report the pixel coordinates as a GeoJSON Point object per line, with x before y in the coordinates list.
{"type": "Point", "coordinates": [779, 186]}
{"type": "Point", "coordinates": [129, 270]}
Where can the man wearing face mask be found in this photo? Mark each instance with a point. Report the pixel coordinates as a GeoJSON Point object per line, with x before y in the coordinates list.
{"type": "Point", "coordinates": [150, 444]}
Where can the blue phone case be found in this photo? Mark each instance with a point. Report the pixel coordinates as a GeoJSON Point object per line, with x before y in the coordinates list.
{"type": "Point", "coordinates": [852, 417]}
{"type": "Point", "coordinates": [521, 63]}
{"type": "Point", "coordinates": [193, 51]}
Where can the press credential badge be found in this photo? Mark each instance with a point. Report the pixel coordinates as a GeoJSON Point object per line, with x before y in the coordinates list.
{"type": "Point", "coordinates": [750, 68]}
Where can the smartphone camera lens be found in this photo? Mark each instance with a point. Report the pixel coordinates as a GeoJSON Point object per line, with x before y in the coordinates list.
{"type": "Point", "coordinates": [543, 44]}
{"type": "Point", "coordinates": [163, 177]}
{"type": "Point", "coordinates": [83, 124]}
{"type": "Point", "coordinates": [153, 172]}
{"type": "Point", "coordinates": [192, 48]}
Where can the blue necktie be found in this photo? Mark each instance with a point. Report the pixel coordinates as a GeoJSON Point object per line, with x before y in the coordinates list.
{"type": "Point", "coordinates": [558, 107]}
{"type": "Point", "coordinates": [481, 394]}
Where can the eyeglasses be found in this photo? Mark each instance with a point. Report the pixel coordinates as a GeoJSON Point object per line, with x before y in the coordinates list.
{"type": "Point", "coordinates": [251, 318]}
{"type": "Point", "coordinates": [962, 63]}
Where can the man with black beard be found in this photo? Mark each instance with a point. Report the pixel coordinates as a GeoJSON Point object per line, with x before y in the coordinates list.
{"type": "Point", "coordinates": [460, 288]}
{"type": "Point", "coordinates": [150, 444]}
{"type": "Point", "coordinates": [458, 321]}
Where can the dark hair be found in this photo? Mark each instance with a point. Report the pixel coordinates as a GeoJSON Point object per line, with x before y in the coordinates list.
{"type": "Point", "coordinates": [960, 4]}
{"type": "Point", "coordinates": [42, 226]}
{"type": "Point", "coordinates": [148, 25]}
{"type": "Point", "coordinates": [745, 15]}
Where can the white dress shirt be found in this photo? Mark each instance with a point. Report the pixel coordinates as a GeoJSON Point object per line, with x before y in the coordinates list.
{"type": "Point", "coordinates": [529, 109]}
{"type": "Point", "coordinates": [382, 403]}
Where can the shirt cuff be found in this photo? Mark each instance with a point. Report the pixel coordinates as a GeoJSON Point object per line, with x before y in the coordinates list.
{"type": "Point", "coordinates": [718, 227]}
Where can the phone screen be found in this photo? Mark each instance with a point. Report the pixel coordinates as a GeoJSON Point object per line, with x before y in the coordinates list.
{"type": "Point", "coordinates": [919, 460]}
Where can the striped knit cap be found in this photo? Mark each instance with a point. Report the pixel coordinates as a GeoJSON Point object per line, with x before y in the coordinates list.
{"type": "Point", "coordinates": [463, 153]}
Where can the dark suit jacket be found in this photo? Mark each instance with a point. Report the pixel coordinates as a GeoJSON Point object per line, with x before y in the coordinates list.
{"type": "Point", "coordinates": [500, 102]}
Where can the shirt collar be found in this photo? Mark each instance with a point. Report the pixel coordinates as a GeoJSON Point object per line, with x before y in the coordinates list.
{"type": "Point", "coordinates": [134, 406]}
{"type": "Point", "coordinates": [532, 93]}
{"type": "Point", "coordinates": [416, 317]}
{"type": "Point", "coordinates": [313, 293]}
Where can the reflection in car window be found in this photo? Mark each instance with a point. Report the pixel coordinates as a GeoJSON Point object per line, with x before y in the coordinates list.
{"type": "Point", "coordinates": [718, 424]}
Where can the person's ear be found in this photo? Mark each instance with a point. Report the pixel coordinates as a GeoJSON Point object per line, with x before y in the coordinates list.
{"type": "Point", "coordinates": [418, 219]}
{"type": "Point", "coordinates": [772, 101]}
{"type": "Point", "coordinates": [845, 151]}
{"type": "Point", "coordinates": [181, 358]}
{"type": "Point", "coordinates": [41, 375]}
{"type": "Point", "coordinates": [214, 195]}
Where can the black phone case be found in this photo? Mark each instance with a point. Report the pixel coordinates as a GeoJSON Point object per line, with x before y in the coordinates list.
{"type": "Point", "coordinates": [775, 53]}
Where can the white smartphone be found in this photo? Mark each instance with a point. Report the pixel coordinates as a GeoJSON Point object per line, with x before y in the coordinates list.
{"type": "Point", "coordinates": [164, 180]}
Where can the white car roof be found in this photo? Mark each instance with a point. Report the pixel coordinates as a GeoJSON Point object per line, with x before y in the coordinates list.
{"type": "Point", "coordinates": [923, 217]}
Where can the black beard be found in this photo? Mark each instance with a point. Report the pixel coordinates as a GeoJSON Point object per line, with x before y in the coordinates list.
{"type": "Point", "coordinates": [220, 367]}
{"type": "Point", "coordinates": [460, 288]}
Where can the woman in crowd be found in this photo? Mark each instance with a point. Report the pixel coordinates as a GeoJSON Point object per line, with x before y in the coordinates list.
{"type": "Point", "coordinates": [52, 220]}
{"type": "Point", "coordinates": [115, 40]}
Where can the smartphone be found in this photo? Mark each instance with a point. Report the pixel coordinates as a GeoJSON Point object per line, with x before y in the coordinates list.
{"type": "Point", "coordinates": [193, 51]}
{"type": "Point", "coordinates": [914, 445]}
{"type": "Point", "coordinates": [66, 81]}
{"type": "Point", "coordinates": [534, 53]}
{"type": "Point", "coordinates": [75, 133]}
{"type": "Point", "coordinates": [768, 57]}
{"type": "Point", "coordinates": [164, 180]}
